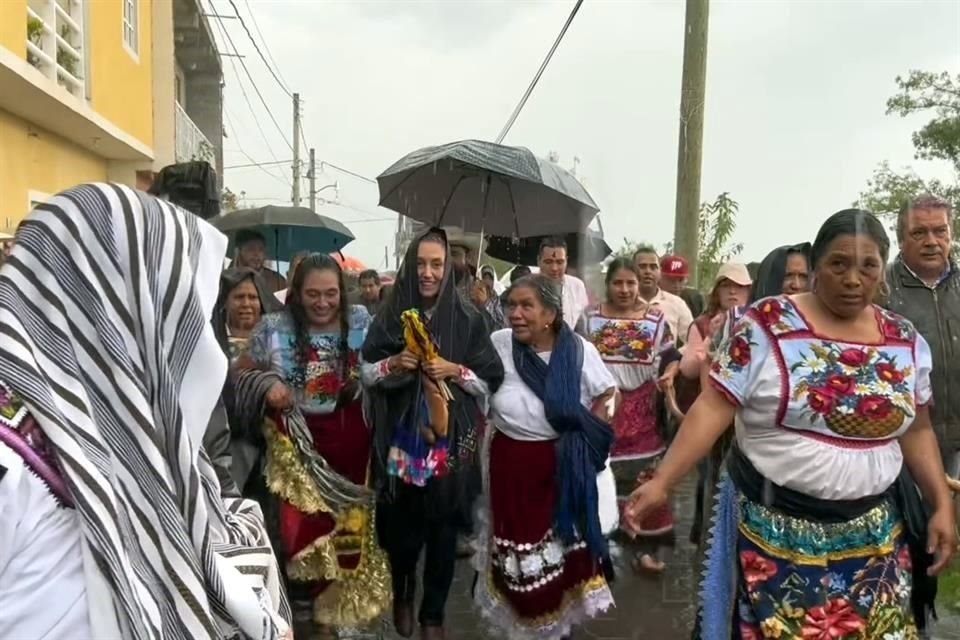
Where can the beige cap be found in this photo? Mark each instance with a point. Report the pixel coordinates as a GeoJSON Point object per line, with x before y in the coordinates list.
{"type": "Point", "coordinates": [734, 272]}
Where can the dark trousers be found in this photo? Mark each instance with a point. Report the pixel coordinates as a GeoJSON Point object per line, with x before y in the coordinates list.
{"type": "Point", "coordinates": [406, 526]}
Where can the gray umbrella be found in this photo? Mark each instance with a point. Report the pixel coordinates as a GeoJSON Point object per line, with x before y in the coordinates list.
{"type": "Point", "coordinates": [489, 188]}
{"type": "Point", "coordinates": [287, 230]}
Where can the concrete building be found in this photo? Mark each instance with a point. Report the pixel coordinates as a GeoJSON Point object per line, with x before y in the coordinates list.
{"type": "Point", "coordinates": [89, 91]}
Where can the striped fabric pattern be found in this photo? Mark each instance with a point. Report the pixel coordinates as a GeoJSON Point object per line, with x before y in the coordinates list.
{"type": "Point", "coordinates": [104, 332]}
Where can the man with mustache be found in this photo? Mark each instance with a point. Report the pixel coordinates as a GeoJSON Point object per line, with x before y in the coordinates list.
{"type": "Point", "coordinates": [924, 286]}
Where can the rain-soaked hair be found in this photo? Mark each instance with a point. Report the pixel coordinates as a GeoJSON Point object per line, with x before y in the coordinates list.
{"type": "Point", "coordinates": [621, 264]}
{"type": "Point", "coordinates": [548, 293]}
{"type": "Point", "coordinates": [849, 222]}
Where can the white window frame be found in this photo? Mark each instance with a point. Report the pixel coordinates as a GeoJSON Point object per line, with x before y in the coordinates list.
{"type": "Point", "coordinates": [62, 37]}
{"type": "Point", "coordinates": [130, 28]}
{"type": "Point", "coordinates": [36, 197]}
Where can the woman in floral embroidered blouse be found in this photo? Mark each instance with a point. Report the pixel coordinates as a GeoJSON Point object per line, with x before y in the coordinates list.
{"type": "Point", "coordinates": [815, 524]}
{"type": "Point", "coordinates": [307, 357]}
{"type": "Point", "coordinates": [636, 345]}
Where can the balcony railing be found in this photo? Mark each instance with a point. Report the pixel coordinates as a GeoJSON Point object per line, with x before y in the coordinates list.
{"type": "Point", "coordinates": [55, 42]}
{"type": "Point", "coordinates": [191, 144]}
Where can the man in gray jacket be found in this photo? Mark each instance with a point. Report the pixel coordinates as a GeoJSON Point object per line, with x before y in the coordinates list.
{"type": "Point", "coordinates": [925, 288]}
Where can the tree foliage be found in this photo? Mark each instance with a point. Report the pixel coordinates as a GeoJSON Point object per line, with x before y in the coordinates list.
{"type": "Point", "coordinates": [936, 95]}
{"type": "Point", "coordinates": [716, 226]}
{"type": "Point", "coordinates": [230, 201]}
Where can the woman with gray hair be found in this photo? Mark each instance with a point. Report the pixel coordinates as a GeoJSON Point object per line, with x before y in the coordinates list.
{"type": "Point", "coordinates": [541, 549]}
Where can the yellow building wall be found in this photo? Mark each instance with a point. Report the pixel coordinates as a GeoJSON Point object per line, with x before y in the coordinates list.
{"type": "Point", "coordinates": [121, 86]}
{"type": "Point", "coordinates": [13, 26]}
{"type": "Point", "coordinates": [35, 160]}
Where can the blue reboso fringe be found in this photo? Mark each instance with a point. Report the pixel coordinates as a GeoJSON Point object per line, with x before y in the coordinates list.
{"type": "Point", "coordinates": [718, 587]}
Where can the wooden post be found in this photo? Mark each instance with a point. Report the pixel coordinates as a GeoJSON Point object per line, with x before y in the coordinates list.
{"type": "Point", "coordinates": [690, 152]}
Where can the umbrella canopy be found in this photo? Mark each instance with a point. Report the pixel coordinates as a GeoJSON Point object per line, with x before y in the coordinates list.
{"type": "Point", "coordinates": [485, 187]}
{"type": "Point", "coordinates": [582, 248]}
{"type": "Point", "coordinates": [349, 263]}
{"type": "Point", "coordinates": [287, 230]}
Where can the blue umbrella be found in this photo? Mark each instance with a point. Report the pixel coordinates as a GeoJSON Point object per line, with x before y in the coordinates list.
{"type": "Point", "coordinates": [287, 230]}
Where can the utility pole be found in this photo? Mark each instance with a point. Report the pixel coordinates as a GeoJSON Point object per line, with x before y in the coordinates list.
{"type": "Point", "coordinates": [690, 153]}
{"type": "Point", "coordinates": [313, 180]}
{"type": "Point", "coordinates": [296, 150]}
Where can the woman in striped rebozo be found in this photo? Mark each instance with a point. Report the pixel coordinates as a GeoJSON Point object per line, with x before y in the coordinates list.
{"type": "Point", "coordinates": [113, 524]}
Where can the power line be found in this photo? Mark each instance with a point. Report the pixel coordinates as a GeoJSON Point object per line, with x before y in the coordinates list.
{"type": "Point", "coordinates": [282, 178]}
{"type": "Point", "coordinates": [536, 78]}
{"type": "Point", "coordinates": [253, 83]}
{"type": "Point", "coordinates": [257, 47]}
{"type": "Point", "coordinates": [346, 171]}
{"type": "Point", "coordinates": [266, 46]}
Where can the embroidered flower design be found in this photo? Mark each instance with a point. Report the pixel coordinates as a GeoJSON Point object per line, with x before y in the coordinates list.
{"type": "Point", "coordinates": [853, 358]}
{"type": "Point", "coordinates": [770, 310]}
{"type": "Point", "coordinates": [772, 628]}
{"type": "Point", "coordinates": [834, 621]}
{"type": "Point", "coordinates": [756, 568]}
{"type": "Point", "coordinates": [740, 351]}
{"type": "Point", "coordinates": [625, 339]}
{"type": "Point", "coordinates": [876, 407]}
{"type": "Point", "coordinates": [749, 632]}
{"type": "Point", "coordinates": [904, 560]}
{"type": "Point", "coordinates": [822, 400]}
{"type": "Point", "coordinates": [887, 372]}
{"type": "Point", "coordinates": [841, 384]}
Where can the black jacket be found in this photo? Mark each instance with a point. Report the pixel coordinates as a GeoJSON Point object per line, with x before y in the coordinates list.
{"type": "Point", "coordinates": [936, 314]}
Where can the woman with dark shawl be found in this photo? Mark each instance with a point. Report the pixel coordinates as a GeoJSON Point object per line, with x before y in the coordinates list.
{"type": "Point", "coordinates": [541, 550]}
{"type": "Point", "coordinates": [299, 380]}
{"type": "Point", "coordinates": [425, 439]}
{"type": "Point", "coordinates": [113, 524]}
{"type": "Point", "coordinates": [240, 305]}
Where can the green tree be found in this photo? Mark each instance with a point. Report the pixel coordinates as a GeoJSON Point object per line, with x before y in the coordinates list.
{"type": "Point", "coordinates": [716, 226]}
{"type": "Point", "coordinates": [932, 94]}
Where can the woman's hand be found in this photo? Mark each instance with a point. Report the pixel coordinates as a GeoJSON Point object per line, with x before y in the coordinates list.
{"type": "Point", "coordinates": [941, 538]}
{"type": "Point", "coordinates": [279, 397]}
{"type": "Point", "coordinates": [404, 361]}
{"type": "Point", "coordinates": [665, 383]}
{"type": "Point", "coordinates": [440, 369]}
{"type": "Point", "coordinates": [643, 501]}
{"type": "Point", "coordinates": [605, 406]}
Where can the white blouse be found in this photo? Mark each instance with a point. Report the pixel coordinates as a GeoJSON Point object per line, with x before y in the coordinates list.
{"type": "Point", "coordinates": [518, 413]}
{"type": "Point", "coordinates": [817, 415]}
{"type": "Point", "coordinates": [43, 592]}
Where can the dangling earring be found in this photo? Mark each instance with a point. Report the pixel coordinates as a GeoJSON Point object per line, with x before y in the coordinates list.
{"type": "Point", "coordinates": [884, 289]}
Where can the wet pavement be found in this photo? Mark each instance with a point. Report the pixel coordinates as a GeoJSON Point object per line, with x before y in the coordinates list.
{"type": "Point", "coordinates": [648, 608]}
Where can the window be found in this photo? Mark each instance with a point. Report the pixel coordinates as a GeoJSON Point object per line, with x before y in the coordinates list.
{"type": "Point", "coordinates": [56, 42]}
{"type": "Point", "coordinates": [131, 27]}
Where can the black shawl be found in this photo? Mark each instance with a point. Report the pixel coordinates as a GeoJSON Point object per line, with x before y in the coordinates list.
{"type": "Point", "coordinates": [773, 269]}
{"type": "Point", "coordinates": [462, 337]}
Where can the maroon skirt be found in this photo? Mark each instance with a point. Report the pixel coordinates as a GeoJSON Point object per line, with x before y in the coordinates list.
{"type": "Point", "coordinates": [531, 583]}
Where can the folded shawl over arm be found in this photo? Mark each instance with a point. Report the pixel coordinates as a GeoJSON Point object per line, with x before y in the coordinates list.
{"type": "Point", "coordinates": [105, 304]}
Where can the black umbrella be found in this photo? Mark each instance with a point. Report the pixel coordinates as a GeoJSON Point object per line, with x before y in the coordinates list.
{"type": "Point", "coordinates": [482, 187]}
{"type": "Point", "coordinates": [290, 230]}
{"type": "Point", "coordinates": [582, 248]}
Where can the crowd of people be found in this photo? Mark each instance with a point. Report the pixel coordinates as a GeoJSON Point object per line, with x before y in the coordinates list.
{"type": "Point", "coordinates": [188, 451]}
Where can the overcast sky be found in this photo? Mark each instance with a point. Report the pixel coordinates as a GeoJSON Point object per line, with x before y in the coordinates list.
{"type": "Point", "coordinates": [795, 120]}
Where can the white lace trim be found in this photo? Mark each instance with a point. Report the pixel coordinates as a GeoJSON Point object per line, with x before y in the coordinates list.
{"type": "Point", "coordinates": [496, 611]}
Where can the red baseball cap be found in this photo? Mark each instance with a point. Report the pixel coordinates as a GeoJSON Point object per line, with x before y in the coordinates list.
{"type": "Point", "coordinates": [674, 267]}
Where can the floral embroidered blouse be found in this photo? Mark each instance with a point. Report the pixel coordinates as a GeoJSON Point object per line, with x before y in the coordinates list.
{"type": "Point", "coordinates": [631, 348]}
{"type": "Point", "coordinates": [317, 388]}
{"type": "Point", "coordinates": [818, 415]}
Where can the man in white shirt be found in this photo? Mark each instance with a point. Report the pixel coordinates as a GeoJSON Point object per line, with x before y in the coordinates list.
{"type": "Point", "coordinates": [674, 309]}
{"type": "Point", "coordinates": [553, 264]}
